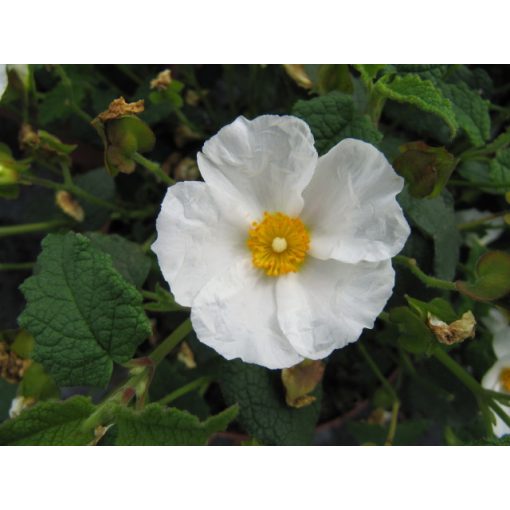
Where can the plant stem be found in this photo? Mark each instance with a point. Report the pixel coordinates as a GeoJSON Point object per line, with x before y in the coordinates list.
{"type": "Point", "coordinates": [183, 390]}
{"type": "Point", "coordinates": [497, 409]}
{"type": "Point", "coordinates": [375, 369]}
{"type": "Point", "coordinates": [469, 381]}
{"type": "Point", "coordinates": [171, 341]}
{"type": "Point", "coordinates": [72, 102]}
{"type": "Point", "coordinates": [429, 281]}
{"type": "Point", "coordinates": [75, 190]}
{"type": "Point", "coordinates": [390, 438]}
{"type": "Point", "coordinates": [27, 228]}
{"type": "Point", "coordinates": [16, 266]}
{"type": "Point", "coordinates": [153, 167]}
{"type": "Point", "coordinates": [469, 225]}
{"type": "Point", "coordinates": [477, 184]}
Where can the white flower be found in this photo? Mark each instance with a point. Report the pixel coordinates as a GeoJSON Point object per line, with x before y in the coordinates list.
{"type": "Point", "coordinates": [498, 376]}
{"type": "Point", "coordinates": [280, 254]}
{"type": "Point", "coordinates": [494, 227]}
{"type": "Point", "coordinates": [3, 79]}
{"type": "Point", "coordinates": [20, 69]}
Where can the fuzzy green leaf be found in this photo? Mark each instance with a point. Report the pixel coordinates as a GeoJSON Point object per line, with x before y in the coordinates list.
{"type": "Point", "coordinates": [263, 411]}
{"type": "Point", "coordinates": [492, 278]}
{"type": "Point", "coordinates": [127, 257]}
{"type": "Point", "coordinates": [499, 170]}
{"type": "Point", "coordinates": [332, 118]}
{"type": "Point", "coordinates": [423, 94]}
{"type": "Point", "coordinates": [471, 111]}
{"type": "Point", "coordinates": [101, 184]}
{"type": "Point", "coordinates": [158, 426]}
{"type": "Point", "coordinates": [435, 217]}
{"type": "Point", "coordinates": [50, 423]}
{"type": "Point", "coordinates": [81, 312]}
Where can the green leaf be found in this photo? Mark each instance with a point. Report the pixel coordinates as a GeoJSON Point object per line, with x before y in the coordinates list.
{"type": "Point", "coordinates": [332, 118]}
{"type": "Point", "coordinates": [263, 411]}
{"type": "Point", "coordinates": [81, 312]}
{"type": "Point", "coordinates": [471, 111]}
{"type": "Point", "coordinates": [50, 424]}
{"type": "Point", "coordinates": [492, 278]}
{"type": "Point", "coordinates": [7, 393]}
{"type": "Point", "coordinates": [423, 94]}
{"type": "Point", "coordinates": [369, 71]}
{"type": "Point", "coordinates": [407, 433]}
{"type": "Point", "coordinates": [499, 170]}
{"type": "Point", "coordinates": [156, 425]}
{"type": "Point", "coordinates": [426, 169]}
{"type": "Point", "coordinates": [415, 336]}
{"type": "Point", "coordinates": [435, 217]}
{"type": "Point", "coordinates": [128, 258]}
{"type": "Point", "coordinates": [37, 384]}
{"type": "Point", "coordinates": [334, 77]}
{"type": "Point", "coordinates": [495, 441]}
{"type": "Point", "coordinates": [130, 134]}
{"type": "Point", "coordinates": [438, 307]}
{"type": "Point", "coordinates": [101, 184]}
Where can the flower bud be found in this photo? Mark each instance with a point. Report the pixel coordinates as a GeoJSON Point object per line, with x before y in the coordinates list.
{"type": "Point", "coordinates": [69, 205]}
{"type": "Point", "coordinates": [300, 380]}
{"type": "Point", "coordinates": [298, 74]}
{"type": "Point", "coordinates": [455, 332]}
{"type": "Point", "coordinates": [162, 80]}
{"type": "Point", "coordinates": [8, 175]}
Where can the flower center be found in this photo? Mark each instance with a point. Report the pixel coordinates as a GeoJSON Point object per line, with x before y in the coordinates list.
{"type": "Point", "coordinates": [278, 243]}
{"type": "Point", "coordinates": [504, 378]}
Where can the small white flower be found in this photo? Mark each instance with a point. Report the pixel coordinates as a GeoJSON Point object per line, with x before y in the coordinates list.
{"type": "Point", "coordinates": [498, 376]}
{"type": "Point", "coordinates": [280, 254]}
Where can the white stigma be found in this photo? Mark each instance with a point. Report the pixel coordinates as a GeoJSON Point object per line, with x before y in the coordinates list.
{"type": "Point", "coordinates": [279, 244]}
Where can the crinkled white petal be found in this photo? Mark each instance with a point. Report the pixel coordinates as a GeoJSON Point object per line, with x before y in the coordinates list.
{"type": "Point", "coordinates": [327, 304]}
{"type": "Point", "coordinates": [3, 79]}
{"type": "Point", "coordinates": [201, 232]}
{"type": "Point", "coordinates": [235, 314]}
{"type": "Point", "coordinates": [265, 163]}
{"type": "Point", "coordinates": [501, 343]}
{"type": "Point", "coordinates": [491, 381]}
{"type": "Point", "coordinates": [350, 206]}
{"type": "Point", "coordinates": [22, 71]}
{"type": "Point", "coordinates": [497, 323]}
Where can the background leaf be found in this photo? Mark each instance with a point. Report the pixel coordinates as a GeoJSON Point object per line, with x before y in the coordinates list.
{"type": "Point", "coordinates": [262, 409]}
{"type": "Point", "coordinates": [81, 312]}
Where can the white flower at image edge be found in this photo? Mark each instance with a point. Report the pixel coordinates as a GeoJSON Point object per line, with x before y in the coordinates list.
{"type": "Point", "coordinates": [20, 69]}
{"type": "Point", "coordinates": [498, 376]}
{"type": "Point", "coordinates": [3, 79]}
{"type": "Point", "coordinates": [281, 255]}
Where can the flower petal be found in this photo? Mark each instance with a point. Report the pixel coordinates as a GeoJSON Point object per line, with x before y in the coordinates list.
{"type": "Point", "coordinates": [328, 303]}
{"type": "Point", "coordinates": [350, 205]}
{"type": "Point", "coordinates": [491, 381]}
{"type": "Point", "coordinates": [265, 163]}
{"type": "Point", "coordinates": [200, 234]}
{"type": "Point", "coordinates": [3, 79]}
{"type": "Point", "coordinates": [235, 314]}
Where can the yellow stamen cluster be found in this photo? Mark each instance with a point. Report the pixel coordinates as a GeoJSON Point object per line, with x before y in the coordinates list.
{"type": "Point", "coordinates": [279, 243]}
{"type": "Point", "coordinates": [504, 378]}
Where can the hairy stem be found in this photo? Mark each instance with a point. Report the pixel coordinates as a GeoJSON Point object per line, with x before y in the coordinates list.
{"type": "Point", "coordinates": [170, 342]}
{"type": "Point", "coordinates": [153, 167]}
{"type": "Point", "coordinates": [28, 228]}
{"type": "Point", "coordinates": [183, 390]}
{"type": "Point", "coordinates": [429, 281]}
